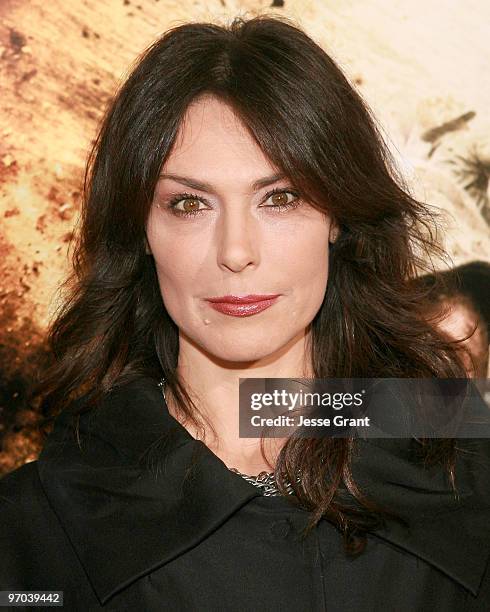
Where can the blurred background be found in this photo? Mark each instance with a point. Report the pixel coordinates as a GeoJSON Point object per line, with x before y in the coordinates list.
{"type": "Point", "coordinates": [421, 67]}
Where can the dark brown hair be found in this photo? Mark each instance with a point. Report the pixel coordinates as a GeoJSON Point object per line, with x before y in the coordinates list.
{"type": "Point", "coordinates": [313, 124]}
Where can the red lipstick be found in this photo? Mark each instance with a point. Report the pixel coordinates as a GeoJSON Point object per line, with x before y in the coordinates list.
{"type": "Point", "coordinates": [242, 305]}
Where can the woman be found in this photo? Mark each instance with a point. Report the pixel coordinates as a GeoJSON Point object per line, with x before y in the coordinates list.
{"type": "Point", "coordinates": [239, 161]}
{"type": "Point", "coordinates": [460, 308]}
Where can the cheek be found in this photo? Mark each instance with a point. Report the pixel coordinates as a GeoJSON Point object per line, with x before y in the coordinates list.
{"type": "Point", "coordinates": [179, 264]}
{"type": "Point", "coordinates": [179, 274]}
{"type": "Point", "coordinates": [178, 283]}
{"type": "Point", "coordinates": [305, 263]}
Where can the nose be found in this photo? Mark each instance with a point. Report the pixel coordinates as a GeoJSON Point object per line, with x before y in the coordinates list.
{"type": "Point", "coordinates": [238, 238]}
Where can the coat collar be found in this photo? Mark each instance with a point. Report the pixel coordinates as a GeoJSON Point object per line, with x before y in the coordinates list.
{"type": "Point", "coordinates": [125, 520]}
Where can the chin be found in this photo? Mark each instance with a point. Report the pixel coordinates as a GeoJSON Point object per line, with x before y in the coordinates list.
{"type": "Point", "coordinates": [242, 345]}
{"type": "Point", "coordinates": [237, 349]}
{"type": "Point", "coordinates": [240, 354]}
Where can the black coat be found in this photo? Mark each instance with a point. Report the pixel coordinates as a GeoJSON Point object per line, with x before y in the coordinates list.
{"type": "Point", "coordinates": [114, 535]}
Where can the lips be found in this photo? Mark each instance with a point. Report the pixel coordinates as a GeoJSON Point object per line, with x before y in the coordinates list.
{"type": "Point", "coordinates": [243, 305]}
{"type": "Point", "coordinates": [242, 299]}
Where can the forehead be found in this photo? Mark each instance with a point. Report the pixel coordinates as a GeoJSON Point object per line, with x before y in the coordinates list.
{"type": "Point", "coordinates": [213, 138]}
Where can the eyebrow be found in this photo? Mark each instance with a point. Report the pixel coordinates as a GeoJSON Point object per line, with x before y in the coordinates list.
{"type": "Point", "coordinates": [202, 186]}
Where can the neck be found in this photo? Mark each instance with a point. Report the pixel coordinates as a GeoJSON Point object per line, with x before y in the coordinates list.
{"type": "Point", "coordinates": [213, 385]}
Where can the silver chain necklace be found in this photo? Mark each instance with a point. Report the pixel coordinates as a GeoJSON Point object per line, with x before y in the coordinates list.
{"type": "Point", "coordinates": [265, 481]}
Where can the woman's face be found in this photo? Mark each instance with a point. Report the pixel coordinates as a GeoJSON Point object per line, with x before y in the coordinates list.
{"type": "Point", "coordinates": [233, 242]}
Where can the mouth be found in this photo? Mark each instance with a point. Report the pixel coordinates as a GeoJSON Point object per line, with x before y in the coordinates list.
{"type": "Point", "coordinates": [242, 305]}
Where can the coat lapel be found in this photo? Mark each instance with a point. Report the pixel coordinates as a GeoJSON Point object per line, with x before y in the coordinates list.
{"type": "Point", "coordinates": [452, 533]}
{"type": "Point", "coordinates": [124, 520]}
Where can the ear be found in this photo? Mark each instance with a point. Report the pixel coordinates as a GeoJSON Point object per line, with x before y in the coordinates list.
{"type": "Point", "coordinates": [334, 232]}
{"type": "Point", "coordinates": [147, 247]}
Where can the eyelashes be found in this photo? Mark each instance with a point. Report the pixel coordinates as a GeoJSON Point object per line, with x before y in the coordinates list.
{"type": "Point", "coordinates": [171, 204]}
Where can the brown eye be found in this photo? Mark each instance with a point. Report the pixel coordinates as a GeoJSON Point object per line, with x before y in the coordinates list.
{"type": "Point", "coordinates": [280, 199]}
{"type": "Point", "coordinates": [190, 205]}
